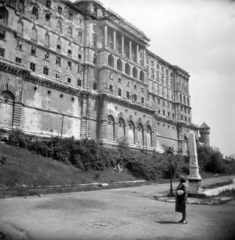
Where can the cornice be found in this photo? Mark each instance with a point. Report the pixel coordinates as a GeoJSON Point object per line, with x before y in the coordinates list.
{"type": "Point", "coordinates": [106, 96]}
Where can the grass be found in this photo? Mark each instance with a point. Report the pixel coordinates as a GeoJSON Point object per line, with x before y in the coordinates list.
{"type": "Point", "coordinates": [23, 168]}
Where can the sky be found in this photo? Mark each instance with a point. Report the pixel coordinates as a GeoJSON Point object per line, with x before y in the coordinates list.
{"type": "Point", "coordinates": [198, 36]}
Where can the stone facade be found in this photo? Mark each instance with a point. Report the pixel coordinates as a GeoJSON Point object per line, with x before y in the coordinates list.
{"type": "Point", "coordinates": [78, 69]}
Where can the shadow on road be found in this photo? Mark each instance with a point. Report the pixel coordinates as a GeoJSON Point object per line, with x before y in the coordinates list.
{"type": "Point", "coordinates": [167, 222]}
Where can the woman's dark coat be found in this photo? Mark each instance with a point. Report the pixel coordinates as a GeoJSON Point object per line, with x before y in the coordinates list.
{"type": "Point", "coordinates": [181, 200]}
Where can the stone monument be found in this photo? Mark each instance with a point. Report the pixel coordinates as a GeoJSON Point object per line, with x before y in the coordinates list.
{"type": "Point", "coordinates": [194, 176]}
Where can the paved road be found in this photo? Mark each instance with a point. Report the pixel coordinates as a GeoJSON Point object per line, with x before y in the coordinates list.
{"type": "Point", "coordinates": [117, 214]}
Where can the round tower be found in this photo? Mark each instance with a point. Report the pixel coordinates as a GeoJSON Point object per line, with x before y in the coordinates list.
{"type": "Point", "coordinates": [205, 134]}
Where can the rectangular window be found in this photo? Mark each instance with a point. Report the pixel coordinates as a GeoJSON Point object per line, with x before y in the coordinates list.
{"type": "Point", "coordinates": [135, 87]}
{"type": "Point", "coordinates": [18, 60]}
{"type": "Point", "coordinates": [182, 117]}
{"type": "Point", "coordinates": [173, 115]}
{"type": "Point", "coordinates": [119, 92]}
{"type": "Point", "coordinates": [168, 114]}
{"type": "Point", "coordinates": [2, 52]}
{"type": "Point", "coordinates": [142, 100]}
{"type": "Point", "coordinates": [135, 97]}
{"type": "Point", "coordinates": [2, 34]}
{"type": "Point", "coordinates": [159, 101]}
{"type": "Point", "coordinates": [45, 70]}
{"type": "Point", "coordinates": [69, 52]}
{"type": "Point", "coordinates": [119, 80]}
{"type": "Point", "coordinates": [111, 75]}
{"type": "Point", "coordinates": [58, 47]}
{"type": "Point", "coordinates": [79, 56]}
{"type": "Point", "coordinates": [70, 65]}
{"type": "Point", "coordinates": [33, 50]}
{"type": "Point", "coordinates": [19, 45]}
{"type": "Point", "coordinates": [111, 88]}
{"type": "Point", "coordinates": [142, 90]}
{"type": "Point", "coordinates": [46, 56]}
{"type": "Point", "coordinates": [33, 67]}
{"type": "Point", "coordinates": [58, 61]}
{"type": "Point", "coordinates": [128, 84]}
{"type": "Point", "coordinates": [94, 73]}
{"type": "Point", "coordinates": [70, 16]}
{"type": "Point", "coordinates": [48, 4]}
{"type": "Point", "coordinates": [128, 95]}
{"type": "Point", "coordinates": [159, 111]}
{"type": "Point", "coordinates": [79, 82]}
{"type": "Point", "coordinates": [60, 10]}
{"type": "Point", "coordinates": [57, 76]}
{"type": "Point", "coordinates": [69, 80]}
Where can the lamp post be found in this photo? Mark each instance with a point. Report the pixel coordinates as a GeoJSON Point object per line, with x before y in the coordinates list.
{"type": "Point", "coordinates": [170, 154]}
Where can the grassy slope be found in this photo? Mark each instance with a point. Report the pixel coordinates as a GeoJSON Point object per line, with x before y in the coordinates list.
{"type": "Point", "coordinates": [26, 168]}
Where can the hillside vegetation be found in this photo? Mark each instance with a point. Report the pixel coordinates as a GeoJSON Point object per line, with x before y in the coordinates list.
{"type": "Point", "coordinates": [55, 161]}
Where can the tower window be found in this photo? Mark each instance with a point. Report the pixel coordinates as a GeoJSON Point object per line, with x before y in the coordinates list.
{"type": "Point", "coordinates": [32, 66]}
{"type": "Point", "coordinates": [2, 52]}
{"type": "Point", "coordinates": [69, 80]}
{"type": "Point", "coordinates": [19, 45]}
{"type": "Point", "coordinates": [45, 70]}
{"type": "Point", "coordinates": [18, 60]}
{"type": "Point", "coordinates": [58, 61]}
{"type": "Point", "coordinates": [111, 88]}
{"type": "Point", "coordinates": [79, 82]}
{"type": "Point", "coordinates": [33, 50]}
{"type": "Point", "coordinates": [119, 92]}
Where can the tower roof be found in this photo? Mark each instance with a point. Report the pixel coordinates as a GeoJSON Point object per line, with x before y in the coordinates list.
{"type": "Point", "coordinates": [204, 125]}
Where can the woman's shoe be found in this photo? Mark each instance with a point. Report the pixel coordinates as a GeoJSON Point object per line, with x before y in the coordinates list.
{"type": "Point", "coordinates": [184, 222]}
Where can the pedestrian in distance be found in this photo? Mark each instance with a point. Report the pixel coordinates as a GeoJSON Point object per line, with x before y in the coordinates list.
{"type": "Point", "coordinates": [181, 199]}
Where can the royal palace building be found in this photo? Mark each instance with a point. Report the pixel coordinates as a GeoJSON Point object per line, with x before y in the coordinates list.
{"type": "Point", "coordinates": [79, 69]}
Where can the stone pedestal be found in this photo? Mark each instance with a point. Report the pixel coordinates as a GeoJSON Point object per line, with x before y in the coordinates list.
{"type": "Point", "coordinates": [194, 176]}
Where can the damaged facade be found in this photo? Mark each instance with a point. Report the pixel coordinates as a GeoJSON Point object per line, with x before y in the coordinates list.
{"type": "Point", "coordinates": [79, 69]}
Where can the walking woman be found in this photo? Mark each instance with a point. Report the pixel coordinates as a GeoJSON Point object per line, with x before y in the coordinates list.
{"type": "Point", "coordinates": [181, 199]}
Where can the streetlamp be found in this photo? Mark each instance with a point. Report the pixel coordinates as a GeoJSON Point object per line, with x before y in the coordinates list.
{"type": "Point", "coordinates": [170, 154]}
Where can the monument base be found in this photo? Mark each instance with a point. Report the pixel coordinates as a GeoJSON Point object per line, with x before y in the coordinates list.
{"type": "Point", "coordinates": [194, 186]}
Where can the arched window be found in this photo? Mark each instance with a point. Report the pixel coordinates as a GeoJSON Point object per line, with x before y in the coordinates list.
{"type": "Point", "coordinates": [47, 40]}
{"type": "Point", "coordinates": [127, 68]}
{"type": "Point", "coordinates": [149, 136]}
{"type": "Point", "coordinates": [180, 98]}
{"type": "Point", "coordinates": [111, 60]}
{"type": "Point", "coordinates": [21, 6]}
{"type": "Point", "coordinates": [59, 44]}
{"type": "Point", "coordinates": [131, 133]}
{"type": "Point", "coordinates": [34, 34]}
{"type": "Point", "coordinates": [59, 27]}
{"type": "Point", "coordinates": [140, 134]}
{"type": "Point", "coordinates": [7, 106]}
{"type": "Point", "coordinates": [80, 36]}
{"type": "Point", "coordinates": [119, 64]}
{"type": "Point", "coordinates": [134, 72]}
{"type": "Point", "coordinates": [47, 18]}
{"type": "Point", "coordinates": [70, 32]}
{"type": "Point", "coordinates": [35, 12]}
{"type": "Point", "coordinates": [121, 128]}
{"type": "Point", "coordinates": [142, 75]}
{"type": "Point", "coordinates": [3, 16]}
{"type": "Point", "coordinates": [20, 27]}
{"type": "Point", "coordinates": [111, 128]}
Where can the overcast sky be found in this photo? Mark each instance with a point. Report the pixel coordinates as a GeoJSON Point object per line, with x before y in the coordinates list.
{"type": "Point", "coordinates": [198, 36]}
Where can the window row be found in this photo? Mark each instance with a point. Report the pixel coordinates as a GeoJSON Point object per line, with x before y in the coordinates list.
{"type": "Point", "coordinates": [19, 46]}
{"type": "Point", "coordinates": [168, 114]}
{"type": "Point", "coordinates": [136, 135]}
{"type": "Point", "coordinates": [127, 68]}
{"type": "Point", "coordinates": [34, 32]}
{"type": "Point", "coordinates": [163, 70]}
{"type": "Point", "coordinates": [184, 100]}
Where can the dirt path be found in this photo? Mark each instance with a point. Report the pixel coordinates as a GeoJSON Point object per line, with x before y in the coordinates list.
{"type": "Point", "coordinates": [117, 214]}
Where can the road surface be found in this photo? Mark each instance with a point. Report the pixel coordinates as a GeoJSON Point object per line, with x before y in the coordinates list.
{"type": "Point", "coordinates": [117, 214]}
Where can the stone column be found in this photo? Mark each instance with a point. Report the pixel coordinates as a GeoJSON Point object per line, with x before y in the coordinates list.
{"type": "Point", "coordinates": [123, 45]}
{"type": "Point", "coordinates": [144, 54]}
{"type": "Point", "coordinates": [194, 176]}
{"type": "Point", "coordinates": [137, 53]}
{"type": "Point", "coordinates": [130, 49]}
{"type": "Point", "coordinates": [114, 40]}
{"type": "Point", "coordinates": [106, 35]}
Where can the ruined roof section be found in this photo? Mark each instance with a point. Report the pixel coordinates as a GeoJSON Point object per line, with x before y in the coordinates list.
{"type": "Point", "coordinates": [204, 125]}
